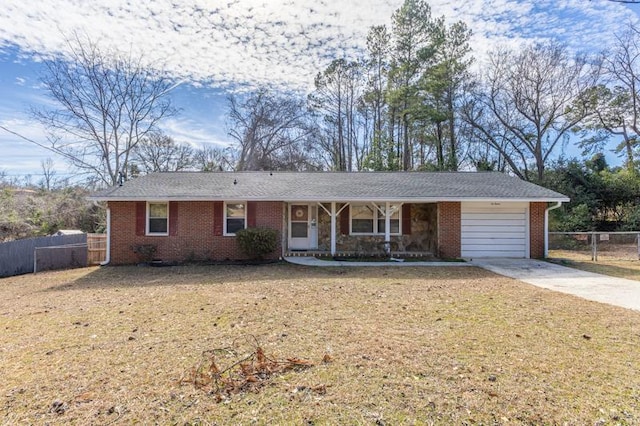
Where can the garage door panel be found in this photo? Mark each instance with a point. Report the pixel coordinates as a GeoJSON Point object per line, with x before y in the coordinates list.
{"type": "Point", "coordinates": [494, 229]}
{"type": "Point", "coordinates": [491, 247]}
{"type": "Point", "coordinates": [471, 206]}
{"type": "Point", "coordinates": [485, 222]}
{"type": "Point", "coordinates": [483, 253]}
{"type": "Point", "coordinates": [499, 232]}
{"type": "Point", "coordinates": [493, 241]}
{"type": "Point", "coordinates": [494, 234]}
{"type": "Point", "coordinates": [492, 216]}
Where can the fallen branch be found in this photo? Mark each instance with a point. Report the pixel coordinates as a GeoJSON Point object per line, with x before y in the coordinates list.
{"type": "Point", "coordinates": [245, 373]}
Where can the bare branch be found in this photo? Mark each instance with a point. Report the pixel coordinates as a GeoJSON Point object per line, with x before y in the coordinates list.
{"type": "Point", "coordinates": [107, 102]}
{"type": "Point", "coordinates": [531, 100]}
{"type": "Point", "coordinates": [270, 131]}
{"type": "Point", "coordinates": [160, 153]}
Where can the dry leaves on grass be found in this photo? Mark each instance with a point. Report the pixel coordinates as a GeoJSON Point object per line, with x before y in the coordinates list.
{"type": "Point", "coordinates": [412, 345]}
{"type": "Point", "coordinates": [227, 371]}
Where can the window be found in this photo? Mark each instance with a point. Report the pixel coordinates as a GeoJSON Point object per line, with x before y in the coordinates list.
{"type": "Point", "coordinates": [362, 219]}
{"type": "Point", "coordinates": [367, 219]}
{"type": "Point", "coordinates": [157, 218]}
{"type": "Point", "coordinates": [234, 217]}
{"type": "Point", "coordinates": [395, 220]}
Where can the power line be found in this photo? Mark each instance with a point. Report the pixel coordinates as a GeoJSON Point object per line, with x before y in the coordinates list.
{"type": "Point", "coordinates": [41, 145]}
{"type": "Point", "coordinates": [56, 174]}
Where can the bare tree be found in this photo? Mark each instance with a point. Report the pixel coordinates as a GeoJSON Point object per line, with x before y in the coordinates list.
{"type": "Point", "coordinates": [617, 99]}
{"type": "Point", "coordinates": [157, 152]}
{"type": "Point", "coordinates": [266, 127]}
{"type": "Point", "coordinates": [211, 159]}
{"type": "Point", "coordinates": [48, 173]}
{"type": "Point", "coordinates": [488, 147]}
{"type": "Point", "coordinates": [530, 101]}
{"type": "Point", "coordinates": [106, 103]}
{"type": "Point", "coordinates": [3, 178]}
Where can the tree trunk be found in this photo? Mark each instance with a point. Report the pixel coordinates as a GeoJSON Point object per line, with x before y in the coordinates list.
{"type": "Point", "coordinates": [406, 151]}
{"type": "Point", "coordinates": [630, 163]}
{"type": "Point", "coordinates": [453, 155]}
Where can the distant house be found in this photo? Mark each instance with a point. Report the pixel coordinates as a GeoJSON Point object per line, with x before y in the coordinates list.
{"type": "Point", "coordinates": [194, 215]}
{"type": "Point", "coordinates": [69, 232]}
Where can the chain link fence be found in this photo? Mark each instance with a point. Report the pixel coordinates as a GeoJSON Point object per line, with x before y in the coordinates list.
{"type": "Point", "coordinates": [613, 246]}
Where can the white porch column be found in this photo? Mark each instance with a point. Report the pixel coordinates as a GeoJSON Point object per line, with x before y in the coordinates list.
{"type": "Point", "coordinates": [333, 228]}
{"type": "Point", "coordinates": [387, 227]}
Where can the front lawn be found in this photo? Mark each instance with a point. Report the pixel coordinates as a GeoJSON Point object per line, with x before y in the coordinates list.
{"type": "Point", "coordinates": [411, 345]}
{"type": "Point", "coordinates": [608, 264]}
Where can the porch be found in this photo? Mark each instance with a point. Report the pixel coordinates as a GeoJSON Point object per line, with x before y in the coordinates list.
{"type": "Point", "coordinates": [360, 229]}
{"type": "Point", "coordinates": [353, 254]}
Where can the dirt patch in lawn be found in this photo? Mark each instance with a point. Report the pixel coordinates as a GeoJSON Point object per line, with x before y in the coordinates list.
{"type": "Point", "coordinates": [607, 264]}
{"type": "Point", "coordinates": [405, 346]}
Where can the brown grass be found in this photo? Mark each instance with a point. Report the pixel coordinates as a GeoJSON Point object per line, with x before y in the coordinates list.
{"type": "Point", "coordinates": [609, 263]}
{"type": "Point", "coordinates": [408, 345]}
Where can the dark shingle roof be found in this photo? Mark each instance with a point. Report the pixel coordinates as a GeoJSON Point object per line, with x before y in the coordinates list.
{"type": "Point", "coordinates": [328, 186]}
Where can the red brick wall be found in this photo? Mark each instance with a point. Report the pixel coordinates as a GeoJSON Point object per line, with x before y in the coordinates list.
{"type": "Point", "coordinates": [194, 239]}
{"type": "Point", "coordinates": [449, 220]}
{"type": "Point", "coordinates": [536, 229]}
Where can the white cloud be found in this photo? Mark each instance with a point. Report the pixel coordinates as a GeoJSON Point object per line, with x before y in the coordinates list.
{"type": "Point", "coordinates": [235, 44]}
{"type": "Point", "coordinates": [195, 133]}
{"type": "Point", "coordinates": [281, 43]}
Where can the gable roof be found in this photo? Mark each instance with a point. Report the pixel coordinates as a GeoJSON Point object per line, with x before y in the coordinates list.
{"type": "Point", "coordinates": [328, 186]}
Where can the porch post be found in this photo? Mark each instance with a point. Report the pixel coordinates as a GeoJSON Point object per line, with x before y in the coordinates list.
{"type": "Point", "coordinates": [333, 228]}
{"type": "Point", "coordinates": [387, 228]}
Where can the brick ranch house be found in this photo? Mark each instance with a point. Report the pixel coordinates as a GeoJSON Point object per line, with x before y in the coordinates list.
{"type": "Point", "coordinates": [190, 216]}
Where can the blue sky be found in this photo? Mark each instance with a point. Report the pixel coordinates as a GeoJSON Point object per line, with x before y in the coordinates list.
{"type": "Point", "coordinates": [216, 46]}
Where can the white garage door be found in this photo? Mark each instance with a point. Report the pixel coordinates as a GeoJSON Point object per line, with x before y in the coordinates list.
{"type": "Point", "coordinates": [494, 230]}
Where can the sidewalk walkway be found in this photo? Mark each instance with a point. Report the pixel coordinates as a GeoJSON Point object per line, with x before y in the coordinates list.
{"type": "Point", "coordinates": [312, 261]}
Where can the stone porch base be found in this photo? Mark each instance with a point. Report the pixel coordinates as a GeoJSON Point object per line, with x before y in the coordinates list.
{"type": "Point", "coordinates": [322, 253]}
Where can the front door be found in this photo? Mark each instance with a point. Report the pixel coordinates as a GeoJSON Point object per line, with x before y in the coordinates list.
{"type": "Point", "coordinates": [299, 221]}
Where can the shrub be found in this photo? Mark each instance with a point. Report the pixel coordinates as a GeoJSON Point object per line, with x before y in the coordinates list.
{"type": "Point", "coordinates": [256, 243]}
{"type": "Point", "coordinates": [579, 218]}
{"type": "Point", "coordinates": [145, 252]}
{"type": "Point", "coordinates": [631, 219]}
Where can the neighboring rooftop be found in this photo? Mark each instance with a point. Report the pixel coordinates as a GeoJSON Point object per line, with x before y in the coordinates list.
{"type": "Point", "coordinates": [328, 186]}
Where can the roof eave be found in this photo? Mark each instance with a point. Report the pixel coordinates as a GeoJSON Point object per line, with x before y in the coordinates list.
{"type": "Point", "coordinates": [341, 199]}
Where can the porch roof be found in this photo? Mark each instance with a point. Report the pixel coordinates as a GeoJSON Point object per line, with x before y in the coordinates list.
{"type": "Point", "coordinates": [328, 187]}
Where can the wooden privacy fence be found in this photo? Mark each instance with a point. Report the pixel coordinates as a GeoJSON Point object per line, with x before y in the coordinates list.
{"type": "Point", "coordinates": [64, 251]}
{"type": "Point", "coordinates": [96, 248]}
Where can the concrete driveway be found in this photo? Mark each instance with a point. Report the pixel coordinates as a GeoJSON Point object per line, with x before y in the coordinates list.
{"type": "Point", "coordinates": [597, 287]}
